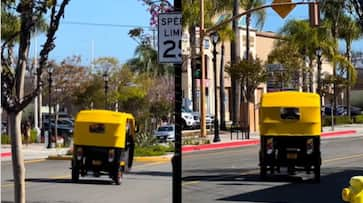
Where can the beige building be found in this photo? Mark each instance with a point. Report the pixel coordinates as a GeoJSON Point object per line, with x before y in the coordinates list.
{"type": "Point", "coordinates": [261, 44]}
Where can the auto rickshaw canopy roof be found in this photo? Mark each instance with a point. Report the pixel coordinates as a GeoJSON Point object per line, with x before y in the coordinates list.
{"type": "Point", "coordinates": [290, 99]}
{"type": "Point", "coordinates": [103, 116]}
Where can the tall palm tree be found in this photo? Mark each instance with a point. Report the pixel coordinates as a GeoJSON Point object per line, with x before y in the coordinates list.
{"type": "Point", "coordinates": [260, 17]}
{"type": "Point", "coordinates": [146, 61]}
{"type": "Point", "coordinates": [224, 34]}
{"type": "Point", "coordinates": [332, 12]}
{"type": "Point", "coordinates": [191, 12]}
{"type": "Point", "coordinates": [349, 31]}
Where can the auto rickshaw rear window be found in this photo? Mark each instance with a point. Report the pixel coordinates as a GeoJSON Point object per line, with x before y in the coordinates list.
{"type": "Point", "coordinates": [290, 113]}
{"type": "Point", "coordinates": [97, 128]}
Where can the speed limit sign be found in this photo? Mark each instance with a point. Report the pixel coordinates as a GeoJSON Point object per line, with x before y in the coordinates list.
{"type": "Point", "coordinates": [169, 37]}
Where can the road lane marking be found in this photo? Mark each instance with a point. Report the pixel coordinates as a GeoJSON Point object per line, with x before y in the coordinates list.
{"type": "Point", "coordinates": [343, 158]}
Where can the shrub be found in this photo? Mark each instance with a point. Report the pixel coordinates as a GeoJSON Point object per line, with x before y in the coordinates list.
{"type": "Point", "coordinates": [195, 141]}
{"type": "Point", "coordinates": [337, 120]}
{"type": "Point", "coordinates": [343, 120]}
{"type": "Point", "coordinates": [145, 139]}
{"type": "Point", "coordinates": [154, 150]}
{"type": "Point", "coordinates": [358, 119]}
{"type": "Point", "coordinates": [5, 139]}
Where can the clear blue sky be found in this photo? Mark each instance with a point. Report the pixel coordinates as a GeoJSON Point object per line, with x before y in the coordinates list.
{"type": "Point", "coordinates": [75, 39]}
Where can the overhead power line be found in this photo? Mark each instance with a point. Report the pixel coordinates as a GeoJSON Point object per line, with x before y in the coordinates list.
{"type": "Point", "coordinates": [106, 24]}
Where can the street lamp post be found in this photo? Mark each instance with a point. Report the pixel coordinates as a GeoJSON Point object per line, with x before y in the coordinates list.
{"type": "Point", "coordinates": [215, 37]}
{"type": "Point", "coordinates": [319, 53]}
{"type": "Point", "coordinates": [105, 79]}
{"type": "Point", "coordinates": [50, 69]}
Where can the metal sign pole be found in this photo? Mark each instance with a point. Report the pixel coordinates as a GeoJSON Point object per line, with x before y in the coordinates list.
{"type": "Point", "coordinates": [177, 162]}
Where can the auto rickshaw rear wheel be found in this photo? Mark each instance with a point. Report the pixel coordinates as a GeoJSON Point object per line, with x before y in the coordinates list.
{"type": "Point", "coordinates": [75, 172]}
{"type": "Point", "coordinates": [129, 154]}
{"type": "Point", "coordinates": [317, 173]}
{"type": "Point", "coordinates": [263, 172]}
{"type": "Point", "coordinates": [118, 177]}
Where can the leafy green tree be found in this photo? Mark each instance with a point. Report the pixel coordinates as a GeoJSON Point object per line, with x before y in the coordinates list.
{"type": "Point", "coordinates": [306, 40]}
{"type": "Point", "coordinates": [251, 73]}
{"type": "Point", "coordinates": [292, 61]}
{"type": "Point", "coordinates": [23, 16]}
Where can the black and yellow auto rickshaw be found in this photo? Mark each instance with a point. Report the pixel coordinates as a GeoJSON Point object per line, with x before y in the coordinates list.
{"type": "Point", "coordinates": [290, 128]}
{"type": "Point", "coordinates": [103, 144]}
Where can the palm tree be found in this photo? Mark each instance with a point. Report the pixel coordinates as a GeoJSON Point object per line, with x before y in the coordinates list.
{"type": "Point", "coordinates": [349, 31]}
{"type": "Point", "coordinates": [260, 16]}
{"type": "Point", "coordinates": [306, 40]}
{"type": "Point", "coordinates": [191, 14]}
{"type": "Point", "coordinates": [332, 12]}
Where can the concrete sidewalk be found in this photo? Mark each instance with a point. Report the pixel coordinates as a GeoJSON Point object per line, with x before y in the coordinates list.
{"type": "Point", "coordinates": [33, 151]}
{"type": "Point", "coordinates": [237, 140]}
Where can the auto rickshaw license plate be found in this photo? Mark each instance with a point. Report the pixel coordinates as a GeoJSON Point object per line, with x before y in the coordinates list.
{"type": "Point", "coordinates": [96, 162]}
{"type": "Point", "coordinates": [291, 155]}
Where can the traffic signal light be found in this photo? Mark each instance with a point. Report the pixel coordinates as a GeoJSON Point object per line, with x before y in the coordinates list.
{"type": "Point", "coordinates": [197, 74]}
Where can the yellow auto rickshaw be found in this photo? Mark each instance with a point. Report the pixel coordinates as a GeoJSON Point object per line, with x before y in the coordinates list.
{"type": "Point", "coordinates": [103, 144]}
{"type": "Point", "coordinates": [290, 128]}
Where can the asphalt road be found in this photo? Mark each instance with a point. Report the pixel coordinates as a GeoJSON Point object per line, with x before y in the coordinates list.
{"type": "Point", "coordinates": [50, 181]}
{"type": "Point", "coordinates": [232, 175]}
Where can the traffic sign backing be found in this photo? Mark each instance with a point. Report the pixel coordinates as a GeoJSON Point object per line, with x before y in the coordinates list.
{"type": "Point", "coordinates": [282, 10]}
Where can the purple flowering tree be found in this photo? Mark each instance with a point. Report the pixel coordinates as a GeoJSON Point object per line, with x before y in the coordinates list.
{"type": "Point", "coordinates": [155, 7]}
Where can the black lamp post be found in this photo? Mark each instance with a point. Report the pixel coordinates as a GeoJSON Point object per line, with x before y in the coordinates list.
{"type": "Point", "coordinates": [50, 70]}
{"type": "Point", "coordinates": [214, 36]}
{"type": "Point", "coordinates": [319, 53]}
{"type": "Point", "coordinates": [105, 79]}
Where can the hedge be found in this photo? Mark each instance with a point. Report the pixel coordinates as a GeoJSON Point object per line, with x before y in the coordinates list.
{"type": "Point", "coordinates": [358, 119]}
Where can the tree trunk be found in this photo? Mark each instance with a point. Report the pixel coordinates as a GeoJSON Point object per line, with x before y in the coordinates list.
{"type": "Point", "coordinates": [234, 59]}
{"type": "Point", "coordinates": [17, 156]}
{"type": "Point", "coordinates": [349, 82]}
{"type": "Point", "coordinates": [193, 67]}
{"type": "Point", "coordinates": [221, 91]}
{"type": "Point", "coordinates": [311, 83]}
{"type": "Point", "coordinates": [248, 21]}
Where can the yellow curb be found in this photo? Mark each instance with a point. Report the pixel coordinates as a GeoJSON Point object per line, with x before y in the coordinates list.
{"type": "Point", "coordinates": [60, 157]}
{"type": "Point", "coordinates": [152, 158]}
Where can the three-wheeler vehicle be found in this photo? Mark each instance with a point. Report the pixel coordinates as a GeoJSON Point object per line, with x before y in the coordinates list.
{"type": "Point", "coordinates": [103, 144]}
{"type": "Point", "coordinates": [290, 128]}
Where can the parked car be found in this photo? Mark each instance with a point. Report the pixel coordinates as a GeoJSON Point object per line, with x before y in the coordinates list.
{"type": "Point", "coordinates": [64, 129]}
{"type": "Point", "coordinates": [165, 133]}
{"type": "Point", "coordinates": [4, 128]}
{"type": "Point", "coordinates": [342, 111]}
{"type": "Point", "coordinates": [209, 118]}
{"type": "Point", "coordinates": [189, 120]}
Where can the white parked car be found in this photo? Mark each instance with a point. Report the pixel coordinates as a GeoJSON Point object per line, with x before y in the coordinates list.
{"type": "Point", "coordinates": [165, 133]}
{"type": "Point", "coordinates": [189, 121]}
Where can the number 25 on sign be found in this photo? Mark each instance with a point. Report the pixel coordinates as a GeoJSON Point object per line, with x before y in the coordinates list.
{"type": "Point", "coordinates": [169, 38]}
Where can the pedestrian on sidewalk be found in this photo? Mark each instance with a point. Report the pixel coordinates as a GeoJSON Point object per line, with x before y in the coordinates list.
{"type": "Point", "coordinates": [26, 131]}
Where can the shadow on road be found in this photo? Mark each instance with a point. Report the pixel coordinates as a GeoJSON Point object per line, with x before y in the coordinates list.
{"type": "Point", "coordinates": [292, 188]}
{"type": "Point", "coordinates": [60, 180]}
{"type": "Point", "coordinates": [152, 173]}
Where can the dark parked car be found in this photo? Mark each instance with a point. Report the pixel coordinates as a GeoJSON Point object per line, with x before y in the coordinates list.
{"type": "Point", "coordinates": [64, 129]}
{"type": "Point", "coordinates": [342, 111]}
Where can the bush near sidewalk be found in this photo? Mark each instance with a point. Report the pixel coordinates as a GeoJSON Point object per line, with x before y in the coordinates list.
{"type": "Point", "coordinates": [154, 150]}
{"type": "Point", "coordinates": [5, 138]}
{"type": "Point", "coordinates": [337, 120]}
{"type": "Point", "coordinates": [358, 119]}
